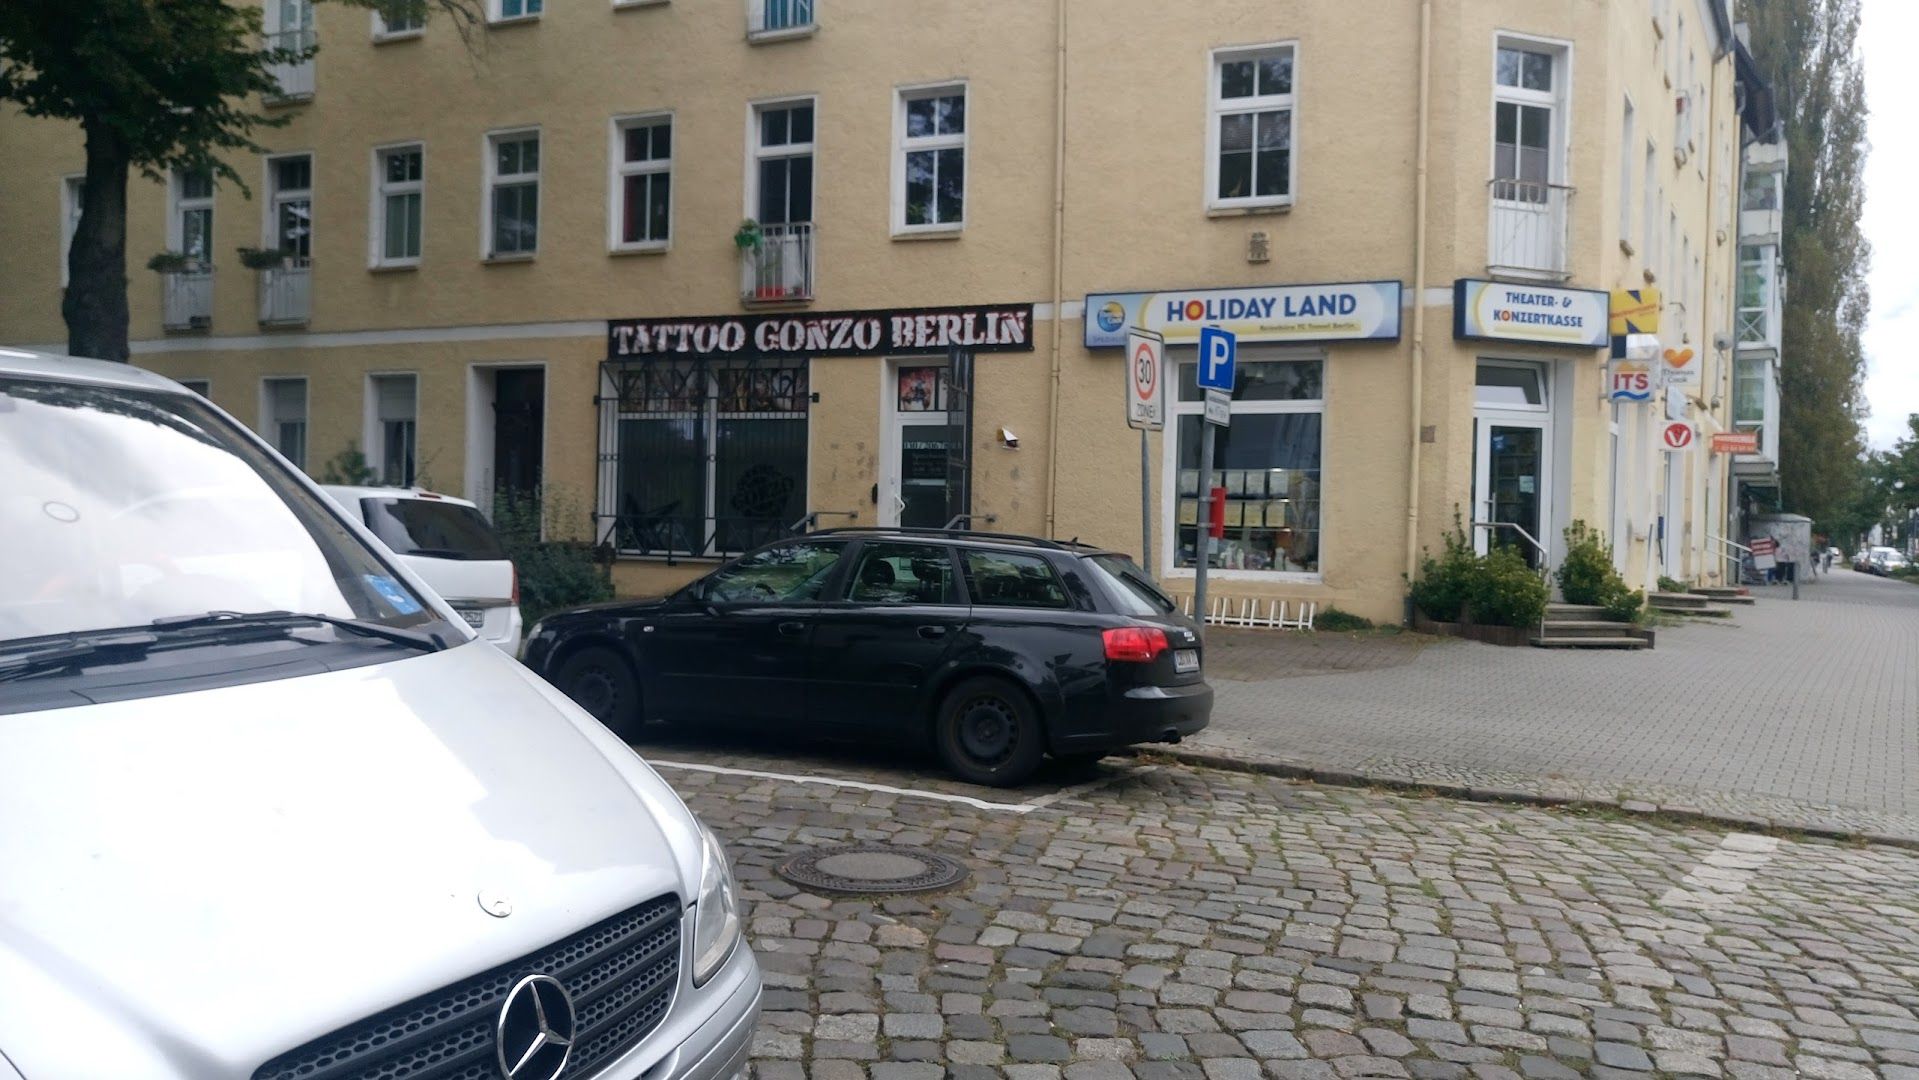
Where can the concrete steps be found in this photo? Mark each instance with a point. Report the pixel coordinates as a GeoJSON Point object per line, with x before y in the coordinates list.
{"type": "Point", "coordinates": [1693, 604]}
{"type": "Point", "coordinates": [1582, 626]}
{"type": "Point", "coordinates": [1721, 595]}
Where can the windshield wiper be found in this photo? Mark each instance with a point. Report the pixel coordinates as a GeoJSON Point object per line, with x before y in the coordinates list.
{"type": "Point", "coordinates": [425, 640]}
{"type": "Point", "coordinates": [76, 650]}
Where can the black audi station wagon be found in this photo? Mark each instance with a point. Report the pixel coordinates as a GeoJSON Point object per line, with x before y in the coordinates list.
{"type": "Point", "coordinates": [993, 649]}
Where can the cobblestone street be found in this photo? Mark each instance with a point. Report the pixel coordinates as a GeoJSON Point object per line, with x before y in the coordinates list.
{"type": "Point", "coordinates": [1162, 922]}
{"type": "Point", "coordinates": [1798, 714]}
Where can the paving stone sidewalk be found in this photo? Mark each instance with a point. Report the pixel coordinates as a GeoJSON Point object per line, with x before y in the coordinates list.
{"type": "Point", "coordinates": [1799, 714]}
{"type": "Point", "coordinates": [1182, 924]}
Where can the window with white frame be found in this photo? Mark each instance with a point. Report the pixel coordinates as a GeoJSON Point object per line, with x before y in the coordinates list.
{"type": "Point", "coordinates": [929, 178]}
{"type": "Point", "coordinates": [290, 187]}
{"type": "Point", "coordinates": [285, 405]}
{"type": "Point", "coordinates": [1525, 125]}
{"type": "Point", "coordinates": [398, 19]}
{"type": "Point", "coordinates": [399, 202]}
{"type": "Point", "coordinates": [642, 183]}
{"type": "Point", "coordinates": [1760, 191]}
{"type": "Point", "coordinates": [1249, 160]}
{"type": "Point", "coordinates": [511, 10]}
{"type": "Point", "coordinates": [1749, 390]}
{"type": "Point", "coordinates": [1754, 315]}
{"type": "Point", "coordinates": [783, 163]}
{"type": "Point", "coordinates": [1626, 147]}
{"type": "Point", "coordinates": [73, 190]}
{"type": "Point", "coordinates": [393, 420]}
{"type": "Point", "coordinates": [1267, 461]}
{"type": "Point", "coordinates": [190, 224]}
{"type": "Point", "coordinates": [513, 194]}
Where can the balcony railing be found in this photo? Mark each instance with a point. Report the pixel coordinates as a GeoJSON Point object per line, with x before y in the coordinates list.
{"type": "Point", "coordinates": [286, 293]}
{"type": "Point", "coordinates": [1527, 228]}
{"type": "Point", "coordinates": [765, 18]}
{"type": "Point", "coordinates": [780, 268]}
{"type": "Point", "coordinates": [296, 78]}
{"type": "Point", "coordinates": [186, 299]}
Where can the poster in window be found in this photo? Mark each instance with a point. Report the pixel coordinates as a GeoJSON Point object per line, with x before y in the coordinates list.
{"type": "Point", "coordinates": [1189, 509]}
{"type": "Point", "coordinates": [1236, 514]}
{"type": "Point", "coordinates": [1276, 514]}
{"type": "Point", "coordinates": [1189, 481]}
{"type": "Point", "coordinates": [924, 460]}
{"type": "Point", "coordinates": [919, 389]}
{"type": "Point", "coordinates": [1236, 481]}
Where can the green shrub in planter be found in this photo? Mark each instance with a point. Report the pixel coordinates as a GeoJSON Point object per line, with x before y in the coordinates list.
{"type": "Point", "coordinates": [1672, 585]}
{"type": "Point", "coordinates": [1586, 574]}
{"type": "Point", "coordinates": [1623, 604]}
{"type": "Point", "coordinates": [1505, 591]}
{"type": "Point", "coordinates": [1441, 590]}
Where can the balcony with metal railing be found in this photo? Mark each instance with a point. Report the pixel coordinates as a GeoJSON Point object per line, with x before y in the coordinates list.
{"type": "Point", "coordinates": [286, 293]}
{"type": "Point", "coordinates": [1526, 233]}
{"type": "Point", "coordinates": [186, 298]}
{"type": "Point", "coordinates": [779, 268]}
{"type": "Point", "coordinates": [771, 20]}
{"type": "Point", "coordinates": [295, 77]}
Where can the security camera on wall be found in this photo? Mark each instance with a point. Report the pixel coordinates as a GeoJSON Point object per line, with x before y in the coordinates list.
{"type": "Point", "coordinates": [1008, 439]}
{"type": "Point", "coordinates": [1722, 342]}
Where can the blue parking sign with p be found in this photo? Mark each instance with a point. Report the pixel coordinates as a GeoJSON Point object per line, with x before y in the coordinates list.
{"type": "Point", "coordinates": [1217, 351]}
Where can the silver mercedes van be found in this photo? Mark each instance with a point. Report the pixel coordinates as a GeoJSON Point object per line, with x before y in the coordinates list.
{"type": "Point", "coordinates": [268, 808]}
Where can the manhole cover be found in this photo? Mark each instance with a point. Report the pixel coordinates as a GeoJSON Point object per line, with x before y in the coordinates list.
{"type": "Point", "coordinates": [872, 868]}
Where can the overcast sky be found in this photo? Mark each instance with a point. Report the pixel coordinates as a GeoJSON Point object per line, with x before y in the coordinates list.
{"type": "Point", "coordinates": [1892, 219]}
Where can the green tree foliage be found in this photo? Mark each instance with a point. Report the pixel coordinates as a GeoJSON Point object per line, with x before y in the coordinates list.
{"type": "Point", "coordinates": [1809, 49]}
{"type": "Point", "coordinates": [154, 85]}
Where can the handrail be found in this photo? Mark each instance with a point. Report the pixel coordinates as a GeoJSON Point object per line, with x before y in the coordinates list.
{"type": "Point", "coordinates": [1729, 543]}
{"type": "Point", "coordinates": [814, 517]}
{"type": "Point", "coordinates": [1738, 569]}
{"type": "Point", "coordinates": [1516, 527]}
{"type": "Point", "coordinates": [968, 519]}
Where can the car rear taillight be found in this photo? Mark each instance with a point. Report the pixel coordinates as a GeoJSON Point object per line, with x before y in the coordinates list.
{"type": "Point", "coordinates": [1134, 644]}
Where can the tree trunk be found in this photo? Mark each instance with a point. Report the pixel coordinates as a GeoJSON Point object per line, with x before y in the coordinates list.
{"type": "Point", "coordinates": [95, 306]}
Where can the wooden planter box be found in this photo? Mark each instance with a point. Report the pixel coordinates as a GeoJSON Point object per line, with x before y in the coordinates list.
{"type": "Point", "coordinates": [1490, 635]}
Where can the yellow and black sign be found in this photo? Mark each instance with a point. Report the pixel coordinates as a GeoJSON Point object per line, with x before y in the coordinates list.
{"type": "Point", "coordinates": [1634, 311]}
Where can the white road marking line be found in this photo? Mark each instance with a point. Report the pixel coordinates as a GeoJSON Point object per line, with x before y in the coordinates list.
{"type": "Point", "coordinates": [1092, 785]}
{"type": "Point", "coordinates": [1724, 874]}
{"type": "Point", "coordinates": [1039, 803]}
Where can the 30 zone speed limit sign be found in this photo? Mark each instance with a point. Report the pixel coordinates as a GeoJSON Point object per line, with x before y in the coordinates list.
{"type": "Point", "coordinates": [1145, 380]}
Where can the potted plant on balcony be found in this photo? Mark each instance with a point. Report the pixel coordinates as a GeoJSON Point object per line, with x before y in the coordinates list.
{"type": "Point", "coordinates": [747, 236]}
{"type": "Point", "coordinates": [170, 262]}
{"type": "Point", "coordinates": [262, 258]}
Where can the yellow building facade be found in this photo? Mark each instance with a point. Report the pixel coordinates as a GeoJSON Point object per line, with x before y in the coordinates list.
{"type": "Point", "coordinates": [707, 273]}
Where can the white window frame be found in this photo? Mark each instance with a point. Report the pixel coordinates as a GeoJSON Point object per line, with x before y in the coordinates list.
{"type": "Point", "coordinates": [755, 152]}
{"type": "Point", "coordinates": [619, 169]}
{"type": "Point", "coordinates": [382, 33]}
{"type": "Point", "coordinates": [496, 12]}
{"type": "Point", "coordinates": [72, 194]}
{"type": "Point", "coordinates": [373, 431]}
{"type": "Point", "coordinates": [1169, 460]}
{"type": "Point", "coordinates": [1627, 144]}
{"type": "Point", "coordinates": [1766, 263]}
{"type": "Point", "coordinates": [1558, 101]}
{"type": "Point", "coordinates": [904, 145]}
{"type": "Point", "coordinates": [376, 213]}
{"type": "Point", "coordinates": [179, 205]}
{"type": "Point", "coordinates": [270, 225]}
{"type": "Point", "coordinates": [1217, 107]}
{"type": "Point", "coordinates": [490, 178]}
{"type": "Point", "coordinates": [269, 420]}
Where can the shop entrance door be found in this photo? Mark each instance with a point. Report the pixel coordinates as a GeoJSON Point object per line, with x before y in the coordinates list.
{"type": "Point", "coordinates": [925, 473]}
{"type": "Point", "coordinates": [1512, 447]}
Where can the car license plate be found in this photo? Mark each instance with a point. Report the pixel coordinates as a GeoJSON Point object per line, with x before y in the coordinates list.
{"type": "Point", "coordinates": [475, 617]}
{"type": "Point", "coordinates": [1185, 660]}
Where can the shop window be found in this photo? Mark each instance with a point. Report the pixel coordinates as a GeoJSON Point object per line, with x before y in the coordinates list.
{"type": "Point", "coordinates": [1250, 132]}
{"type": "Point", "coordinates": [1266, 465]}
{"type": "Point", "coordinates": [706, 459]}
{"type": "Point", "coordinates": [1511, 386]}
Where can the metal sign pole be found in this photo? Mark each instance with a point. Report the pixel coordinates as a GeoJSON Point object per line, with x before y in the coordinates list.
{"type": "Point", "coordinates": [1145, 507]}
{"type": "Point", "coordinates": [1203, 538]}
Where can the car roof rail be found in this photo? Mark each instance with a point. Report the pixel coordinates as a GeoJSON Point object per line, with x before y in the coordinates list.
{"type": "Point", "coordinates": [952, 534]}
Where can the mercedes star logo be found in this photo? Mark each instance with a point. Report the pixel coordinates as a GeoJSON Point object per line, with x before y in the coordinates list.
{"type": "Point", "coordinates": [536, 1029]}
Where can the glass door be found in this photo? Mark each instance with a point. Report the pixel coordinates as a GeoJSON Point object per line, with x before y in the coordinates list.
{"type": "Point", "coordinates": [1510, 485]}
{"type": "Point", "coordinates": [923, 489]}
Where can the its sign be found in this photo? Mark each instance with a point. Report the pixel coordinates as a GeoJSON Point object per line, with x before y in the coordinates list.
{"type": "Point", "coordinates": [1634, 311]}
{"type": "Point", "coordinates": [1676, 436]}
{"type": "Point", "coordinates": [1501, 311]}
{"type": "Point", "coordinates": [1735, 442]}
{"type": "Point", "coordinates": [1676, 368]}
{"type": "Point", "coordinates": [1356, 311]}
{"type": "Point", "coordinates": [1629, 380]}
{"type": "Point", "coordinates": [980, 329]}
{"type": "Point", "coordinates": [1145, 380]}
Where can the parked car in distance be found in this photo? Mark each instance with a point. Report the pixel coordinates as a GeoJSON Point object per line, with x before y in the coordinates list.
{"type": "Point", "coordinates": [992, 649]}
{"type": "Point", "coordinates": [269, 809]}
{"type": "Point", "coordinates": [450, 544]}
{"type": "Point", "coordinates": [1884, 560]}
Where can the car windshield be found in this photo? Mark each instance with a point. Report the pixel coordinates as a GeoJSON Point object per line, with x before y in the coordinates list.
{"type": "Point", "coordinates": [789, 573]}
{"type": "Point", "coordinates": [1134, 591]}
{"type": "Point", "coordinates": [427, 527]}
{"type": "Point", "coordinates": [120, 507]}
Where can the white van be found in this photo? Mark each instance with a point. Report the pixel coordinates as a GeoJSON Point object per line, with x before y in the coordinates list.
{"type": "Point", "coordinates": [269, 809]}
{"type": "Point", "coordinates": [449, 543]}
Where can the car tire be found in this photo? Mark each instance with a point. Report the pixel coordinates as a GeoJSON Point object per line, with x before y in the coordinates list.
{"type": "Point", "coordinates": [988, 732]}
{"type": "Point", "coordinates": [600, 681]}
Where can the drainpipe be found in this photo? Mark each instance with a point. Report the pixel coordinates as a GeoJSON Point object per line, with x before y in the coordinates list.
{"type": "Point", "coordinates": [1709, 389]}
{"type": "Point", "coordinates": [1419, 295]}
{"type": "Point", "coordinates": [1059, 267]}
